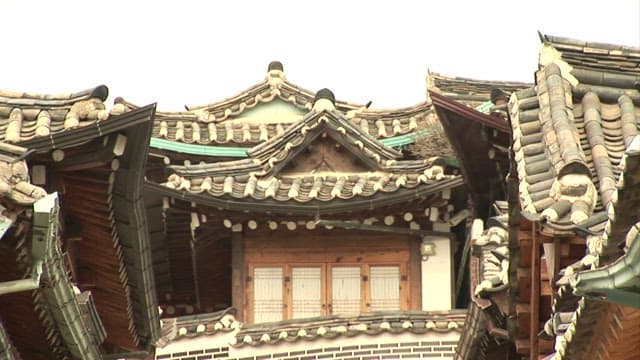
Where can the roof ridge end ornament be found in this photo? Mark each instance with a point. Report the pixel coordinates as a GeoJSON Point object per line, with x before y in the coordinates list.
{"type": "Point", "coordinates": [324, 100]}
{"type": "Point", "coordinates": [548, 55]}
{"type": "Point", "coordinates": [275, 74]}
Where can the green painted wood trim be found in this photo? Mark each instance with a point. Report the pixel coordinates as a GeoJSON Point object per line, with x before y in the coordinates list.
{"type": "Point", "coordinates": [195, 149]}
{"type": "Point", "coordinates": [231, 151]}
{"type": "Point", "coordinates": [59, 293]}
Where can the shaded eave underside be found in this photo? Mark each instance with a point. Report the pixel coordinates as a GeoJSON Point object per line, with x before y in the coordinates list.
{"type": "Point", "coordinates": [137, 124]}
{"type": "Point", "coordinates": [493, 122]}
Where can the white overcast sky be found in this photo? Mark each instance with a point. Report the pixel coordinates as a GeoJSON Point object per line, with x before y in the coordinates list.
{"type": "Point", "coordinates": [195, 52]}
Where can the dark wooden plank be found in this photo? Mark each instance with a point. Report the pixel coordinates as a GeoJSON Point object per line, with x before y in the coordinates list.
{"type": "Point", "coordinates": [535, 293]}
{"type": "Point", "coordinates": [238, 275]}
{"type": "Point", "coordinates": [415, 276]}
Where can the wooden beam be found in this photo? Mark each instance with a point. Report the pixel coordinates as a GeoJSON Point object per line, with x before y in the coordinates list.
{"type": "Point", "coordinates": [238, 275]}
{"type": "Point", "coordinates": [535, 293]}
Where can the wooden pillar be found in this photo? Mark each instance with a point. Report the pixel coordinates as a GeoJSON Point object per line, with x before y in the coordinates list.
{"type": "Point", "coordinates": [238, 274]}
{"type": "Point", "coordinates": [415, 276]}
{"type": "Point", "coordinates": [535, 292]}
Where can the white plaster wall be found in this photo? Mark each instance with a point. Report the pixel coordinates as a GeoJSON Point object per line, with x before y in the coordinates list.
{"type": "Point", "coordinates": [437, 277]}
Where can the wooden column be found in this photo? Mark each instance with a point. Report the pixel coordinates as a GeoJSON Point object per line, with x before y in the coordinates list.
{"type": "Point", "coordinates": [535, 292]}
{"type": "Point", "coordinates": [238, 274]}
{"type": "Point", "coordinates": [415, 276]}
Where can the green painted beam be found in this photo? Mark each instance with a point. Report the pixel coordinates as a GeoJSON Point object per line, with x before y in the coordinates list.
{"type": "Point", "coordinates": [240, 152]}
{"type": "Point", "coordinates": [195, 149]}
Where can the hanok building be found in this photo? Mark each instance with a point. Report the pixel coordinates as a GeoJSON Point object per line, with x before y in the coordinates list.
{"type": "Point", "coordinates": [76, 278]}
{"type": "Point", "coordinates": [303, 214]}
{"type": "Point", "coordinates": [556, 268]}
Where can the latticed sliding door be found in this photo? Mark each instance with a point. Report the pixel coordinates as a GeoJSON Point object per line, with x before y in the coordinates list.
{"type": "Point", "coordinates": [385, 288]}
{"type": "Point", "coordinates": [268, 300]}
{"type": "Point", "coordinates": [294, 291]}
{"type": "Point", "coordinates": [306, 292]}
{"type": "Point", "coordinates": [346, 294]}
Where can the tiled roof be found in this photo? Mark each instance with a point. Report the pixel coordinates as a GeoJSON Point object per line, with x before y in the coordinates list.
{"type": "Point", "coordinates": [491, 247]}
{"type": "Point", "coordinates": [333, 326]}
{"type": "Point", "coordinates": [15, 182]}
{"type": "Point", "coordinates": [41, 123]}
{"type": "Point", "coordinates": [572, 129]}
{"type": "Point", "coordinates": [196, 325]}
{"type": "Point", "coordinates": [258, 177]}
{"type": "Point", "coordinates": [219, 123]}
{"type": "Point", "coordinates": [274, 85]}
{"type": "Point", "coordinates": [586, 277]}
{"type": "Point", "coordinates": [597, 57]}
{"type": "Point", "coordinates": [471, 92]}
{"type": "Point", "coordinates": [576, 144]}
{"type": "Point", "coordinates": [187, 127]}
{"type": "Point", "coordinates": [25, 116]}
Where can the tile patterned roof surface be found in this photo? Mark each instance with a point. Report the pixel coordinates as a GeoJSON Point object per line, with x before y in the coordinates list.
{"type": "Point", "coordinates": [572, 129]}
{"type": "Point", "coordinates": [196, 325]}
{"type": "Point", "coordinates": [333, 326]}
{"type": "Point", "coordinates": [217, 124]}
{"type": "Point", "coordinates": [471, 92]}
{"type": "Point", "coordinates": [576, 143]}
{"type": "Point", "coordinates": [14, 176]}
{"type": "Point", "coordinates": [491, 246]}
{"type": "Point", "coordinates": [258, 176]}
{"type": "Point", "coordinates": [25, 116]}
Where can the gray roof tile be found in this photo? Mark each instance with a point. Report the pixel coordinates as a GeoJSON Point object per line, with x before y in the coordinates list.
{"type": "Point", "coordinates": [258, 176]}
{"type": "Point", "coordinates": [579, 119]}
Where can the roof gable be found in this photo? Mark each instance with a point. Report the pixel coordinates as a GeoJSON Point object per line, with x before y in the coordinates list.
{"type": "Point", "coordinates": [380, 173]}
{"type": "Point", "coordinates": [274, 87]}
{"type": "Point", "coordinates": [276, 111]}
{"type": "Point", "coordinates": [266, 109]}
{"type": "Point", "coordinates": [282, 149]}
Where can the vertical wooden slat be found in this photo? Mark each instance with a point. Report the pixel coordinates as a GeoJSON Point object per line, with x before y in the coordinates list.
{"type": "Point", "coordinates": [405, 300]}
{"type": "Point", "coordinates": [365, 290]}
{"type": "Point", "coordinates": [238, 276]}
{"type": "Point", "coordinates": [535, 292]}
{"type": "Point", "coordinates": [286, 280]}
{"type": "Point", "coordinates": [415, 275]}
